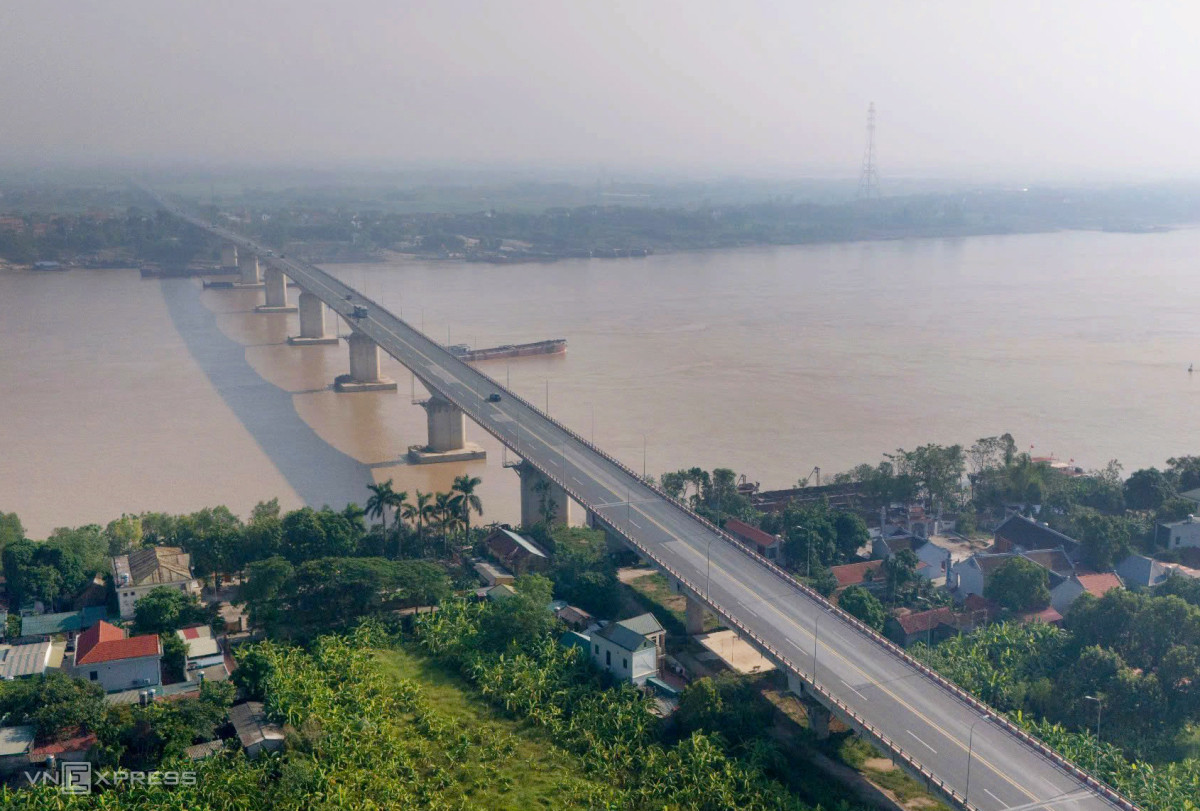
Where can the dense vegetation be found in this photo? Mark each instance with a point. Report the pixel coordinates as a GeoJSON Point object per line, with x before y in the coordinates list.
{"type": "Point", "coordinates": [1125, 660]}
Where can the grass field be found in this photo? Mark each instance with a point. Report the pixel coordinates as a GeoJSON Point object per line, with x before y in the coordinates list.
{"type": "Point", "coordinates": [535, 773]}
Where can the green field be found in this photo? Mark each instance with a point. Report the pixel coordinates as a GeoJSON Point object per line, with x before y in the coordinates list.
{"type": "Point", "coordinates": [535, 773]}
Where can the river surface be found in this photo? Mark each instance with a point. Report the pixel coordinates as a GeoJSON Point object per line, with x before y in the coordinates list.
{"type": "Point", "coordinates": [119, 394]}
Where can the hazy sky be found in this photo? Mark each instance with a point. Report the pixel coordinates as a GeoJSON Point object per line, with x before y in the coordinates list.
{"type": "Point", "coordinates": [1068, 89]}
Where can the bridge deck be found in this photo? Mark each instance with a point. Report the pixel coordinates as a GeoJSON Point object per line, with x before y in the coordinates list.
{"type": "Point", "coordinates": [930, 722]}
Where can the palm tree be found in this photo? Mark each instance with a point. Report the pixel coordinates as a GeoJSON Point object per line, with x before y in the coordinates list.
{"type": "Point", "coordinates": [447, 507]}
{"type": "Point", "coordinates": [466, 485]}
{"type": "Point", "coordinates": [382, 497]}
{"type": "Point", "coordinates": [418, 513]}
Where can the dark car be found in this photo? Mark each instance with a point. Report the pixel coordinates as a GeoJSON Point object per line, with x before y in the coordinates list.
{"type": "Point", "coordinates": [359, 312]}
{"type": "Point", "coordinates": [493, 398]}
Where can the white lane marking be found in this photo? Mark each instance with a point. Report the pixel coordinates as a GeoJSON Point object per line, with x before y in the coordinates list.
{"type": "Point", "coordinates": [635, 523]}
{"type": "Point", "coordinates": [930, 748]}
{"type": "Point", "coordinates": [577, 479]}
{"type": "Point", "coordinates": [748, 608]}
{"type": "Point", "coordinates": [851, 688]}
{"type": "Point", "coordinates": [994, 797]}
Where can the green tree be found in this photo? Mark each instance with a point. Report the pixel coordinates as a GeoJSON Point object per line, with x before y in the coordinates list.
{"type": "Point", "coordinates": [861, 603]}
{"type": "Point", "coordinates": [1019, 585]}
{"type": "Point", "coordinates": [382, 499]}
{"type": "Point", "coordinates": [1146, 489]}
{"type": "Point", "coordinates": [261, 588]}
{"type": "Point", "coordinates": [465, 486]}
{"type": "Point", "coordinates": [309, 534]}
{"type": "Point", "coordinates": [165, 610]}
{"type": "Point", "coordinates": [174, 657]}
{"type": "Point", "coordinates": [11, 530]}
{"type": "Point", "coordinates": [123, 534]}
{"type": "Point", "coordinates": [55, 703]}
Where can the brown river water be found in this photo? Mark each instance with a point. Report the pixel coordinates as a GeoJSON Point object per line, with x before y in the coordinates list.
{"type": "Point", "coordinates": [119, 394]}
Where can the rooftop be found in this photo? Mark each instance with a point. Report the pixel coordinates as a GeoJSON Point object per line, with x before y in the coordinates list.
{"type": "Point", "coordinates": [750, 532]}
{"type": "Point", "coordinates": [46, 624]}
{"type": "Point", "coordinates": [155, 565]}
{"type": "Point", "coordinates": [1099, 584]}
{"type": "Point", "coordinates": [923, 621]}
{"type": "Point", "coordinates": [1055, 560]}
{"type": "Point", "coordinates": [105, 643]}
{"type": "Point", "coordinates": [24, 660]}
{"type": "Point", "coordinates": [624, 637]}
{"type": "Point", "coordinates": [1029, 535]}
{"type": "Point", "coordinates": [507, 542]}
{"type": "Point", "coordinates": [572, 614]}
{"type": "Point", "coordinates": [79, 742]}
{"type": "Point", "coordinates": [644, 624]}
{"type": "Point", "coordinates": [16, 740]}
{"type": "Point", "coordinates": [853, 574]}
{"type": "Point", "coordinates": [250, 722]}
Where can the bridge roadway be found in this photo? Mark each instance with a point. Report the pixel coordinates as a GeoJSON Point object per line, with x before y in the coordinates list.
{"type": "Point", "coordinates": [932, 724]}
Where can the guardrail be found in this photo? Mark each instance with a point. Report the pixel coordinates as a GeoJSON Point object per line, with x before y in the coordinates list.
{"type": "Point", "coordinates": [1060, 762]}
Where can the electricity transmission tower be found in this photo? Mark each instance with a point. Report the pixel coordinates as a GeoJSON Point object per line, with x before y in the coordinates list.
{"type": "Point", "coordinates": [868, 181]}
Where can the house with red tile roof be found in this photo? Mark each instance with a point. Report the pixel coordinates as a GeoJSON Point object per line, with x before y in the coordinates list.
{"type": "Point", "coordinates": [930, 626]}
{"type": "Point", "coordinates": [1080, 583]}
{"type": "Point", "coordinates": [867, 574]}
{"type": "Point", "coordinates": [764, 543]}
{"type": "Point", "coordinates": [105, 655]}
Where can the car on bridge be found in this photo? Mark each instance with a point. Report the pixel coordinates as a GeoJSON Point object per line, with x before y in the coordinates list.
{"type": "Point", "coordinates": [359, 312]}
{"type": "Point", "coordinates": [493, 398]}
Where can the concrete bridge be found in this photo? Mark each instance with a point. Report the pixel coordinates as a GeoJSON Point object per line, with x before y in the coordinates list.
{"type": "Point", "coordinates": [953, 744]}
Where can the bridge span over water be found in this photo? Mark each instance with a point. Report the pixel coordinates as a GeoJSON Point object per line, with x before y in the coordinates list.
{"type": "Point", "coordinates": [955, 745]}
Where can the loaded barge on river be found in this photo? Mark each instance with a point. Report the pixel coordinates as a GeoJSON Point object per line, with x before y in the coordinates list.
{"type": "Point", "coordinates": [555, 346]}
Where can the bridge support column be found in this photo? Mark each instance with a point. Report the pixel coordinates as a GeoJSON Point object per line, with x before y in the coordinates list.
{"type": "Point", "coordinates": [541, 499]}
{"type": "Point", "coordinates": [251, 275]}
{"type": "Point", "coordinates": [695, 616]}
{"type": "Point", "coordinates": [276, 288]}
{"type": "Point", "coordinates": [312, 322]}
{"type": "Point", "coordinates": [364, 367]}
{"type": "Point", "coordinates": [818, 718]}
{"type": "Point", "coordinates": [447, 435]}
{"type": "Point", "coordinates": [229, 257]}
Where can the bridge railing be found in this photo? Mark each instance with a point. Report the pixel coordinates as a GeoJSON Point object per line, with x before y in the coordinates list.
{"type": "Point", "coordinates": [1060, 762]}
{"type": "Point", "coordinates": [1003, 721]}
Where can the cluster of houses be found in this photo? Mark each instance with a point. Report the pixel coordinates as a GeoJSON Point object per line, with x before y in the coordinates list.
{"type": "Point", "coordinates": [967, 578]}
{"type": "Point", "coordinates": [83, 643]}
{"type": "Point", "coordinates": [633, 649]}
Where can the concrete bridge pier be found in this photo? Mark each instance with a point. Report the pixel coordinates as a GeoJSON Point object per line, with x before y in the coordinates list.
{"type": "Point", "coordinates": [275, 284]}
{"type": "Point", "coordinates": [312, 322]}
{"type": "Point", "coordinates": [447, 435]}
{"type": "Point", "coordinates": [694, 618]}
{"type": "Point", "coordinates": [364, 367]}
{"type": "Point", "coordinates": [818, 714]}
{"type": "Point", "coordinates": [229, 257]}
{"type": "Point", "coordinates": [251, 275]}
{"type": "Point", "coordinates": [541, 499]}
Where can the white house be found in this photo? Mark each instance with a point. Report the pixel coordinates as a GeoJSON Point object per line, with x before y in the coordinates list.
{"type": "Point", "coordinates": [1181, 534]}
{"type": "Point", "coordinates": [202, 650]}
{"type": "Point", "coordinates": [104, 654]}
{"type": "Point", "coordinates": [137, 574]}
{"type": "Point", "coordinates": [623, 651]}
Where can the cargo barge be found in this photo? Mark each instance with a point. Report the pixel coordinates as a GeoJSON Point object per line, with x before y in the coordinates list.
{"type": "Point", "coordinates": [555, 346]}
